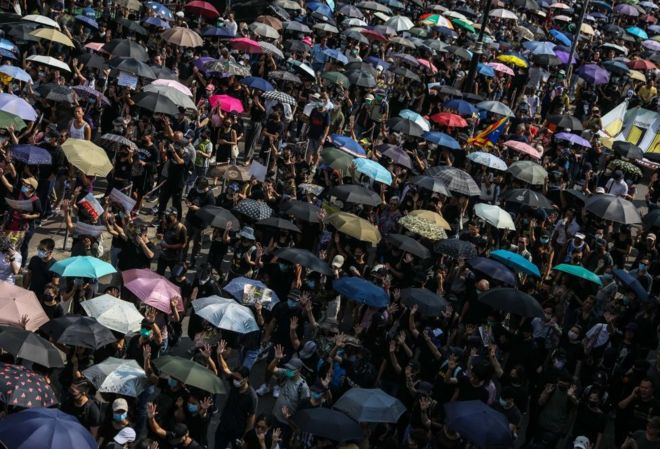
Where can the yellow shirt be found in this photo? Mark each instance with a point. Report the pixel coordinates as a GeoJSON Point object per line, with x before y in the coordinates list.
{"type": "Point", "coordinates": [646, 93]}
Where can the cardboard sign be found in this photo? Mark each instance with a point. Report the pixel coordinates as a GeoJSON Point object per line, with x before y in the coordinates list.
{"type": "Point", "coordinates": [122, 199]}
{"type": "Point", "coordinates": [92, 206]}
{"type": "Point", "coordinates": [127, 80]}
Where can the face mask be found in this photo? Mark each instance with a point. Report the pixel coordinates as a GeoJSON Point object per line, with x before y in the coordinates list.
{"type": "Point", "coordinates": [572, 335]}
{"type": "Point", "coordinates": [292, 304]}
{"type": "Point", "coordinates": [25, 189]}
{"type": "Point", "coordinates": [145, 332]}
{"type": "Point", "coordinates": [317, 396]}
{"type": "Point", "coordinates": [236, 383]}
{"type": "Point", "coordinates": [289, 374]}
{"type": "Point", "coordinates": [504, 403]}
{"type": "Point", "coordinates": [282, 266]}
{"type": "Point", "coordinates": [558, 364]}
{"type": "Point", "coordinates": [544, 241]}
{"type": "Point", "coordinates": [192, 408]}
{"type": "Point", "coordinates": [118, 417]}
{"type": "Point", "coordinates": [642, 266]}
{"type": "Point", "coordinates": [172, 382]}
{"type": "Point", "coordinates": [42, 254]}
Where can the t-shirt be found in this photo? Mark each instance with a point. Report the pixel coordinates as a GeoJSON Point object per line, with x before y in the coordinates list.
{"type": "Point", "coordinates": [89, 414]}
{"type": "Point", "coordinates": [318, 122]}
{"type": "Point", "coordinates": [643, 443]}
{"type": "Point", "coordinates": [40, 274]}
{"type": "Point", "coordinates": [291, 393]}
{"type": "Point", "coordinates": [240, 406]}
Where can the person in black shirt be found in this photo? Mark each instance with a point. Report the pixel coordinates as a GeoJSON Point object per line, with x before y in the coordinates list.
{"type": "Point", "coordinates": [39, 274]}
{"type": "Point", "coordinates": [137, 251]}
{"type": "Point", "coordinates": [198, 198]}
{"type": "Point", "coordinates": [149, 335]}
{"type": "Point", "coordinates": [84, 408]}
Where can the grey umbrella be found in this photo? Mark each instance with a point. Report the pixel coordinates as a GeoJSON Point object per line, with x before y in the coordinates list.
{"type": "Point", "coordinates": [456, 180]}
{"type": "Point", "coordinates": [126, 48]}
{"type": "Point", "coordinates": [370, 405]}
{"type": "Point", "coordinates": [301, 210]}
{"type": "Point", "coordinates": [362, 79]}
{"type": "Point", "coordinates": [427, 302]}
{"type": "Point", "coordinates": [355, 194]}
{"type": "Point", "coordinates": [433, 184]}
{"type": "Point", "coordinates": [496, 107]}
{"type": "Point", "coordinates": [29, 346]}
{"type": "Point", "coordinates": [133, 66]}
{"type": "Point", "coordinates": [177, 97]}
{"type": "Point", "coordinates": [157, 103]}
{"type": "Point", "coordinates": [305, 258]}
{"type": "Point", "coordinates": [409, 245]}
{"type": "Point", "coordinates": [613, 208]}
{"type": "Point", "coordinates": [350, 11]}
{"type": "Point", "coordinates": [297, 27]}
{"type": "Point", "coordinates": [529, 172]}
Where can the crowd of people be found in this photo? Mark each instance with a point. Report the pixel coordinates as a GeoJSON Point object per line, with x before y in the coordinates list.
{"type": "Point", "coordinates": [404, 222]}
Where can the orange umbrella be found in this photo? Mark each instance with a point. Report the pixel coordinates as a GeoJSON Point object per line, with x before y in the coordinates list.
{"type": "Point", "coordinates": [448, 119]}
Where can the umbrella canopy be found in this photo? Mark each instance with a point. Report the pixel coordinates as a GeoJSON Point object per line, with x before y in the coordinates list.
{"type": "Point", "coordinates": [362, 291]}
{"type": "Point", "coordinates": [43, 428]}
{"type": "Point", "coordinates": [304, 258]}
{"type": "Point", "coordinates": [373, 170]}
{"type": "Point", "coordinates": [301, 210]}
{"type": "Point", "coordinates": [626, 279]}
{"type": "Point", "coordinates": [201, 8]}
{"type": "Point", "coordinates": [87, 157]}
{"type": "Point", "coordinates": [458, 249]}
{"type": "Point", "coordinates": [449, 120]}
{"type": "Point", "coordinates": [370, 405]}
{"type": "Point", "coordinates": [157, 103]}
{"type": "Point", "coordinates": [53, 36]}
{"type": "Point", "coordinates": [431, 216]}
{"type": "Point", "coordinates": [182, 37]}
{"type": "Point", "coordinates": [529, 172]}
{"type": "Point", "coordinates": [523, 148]}
{"type": "Point", "coordinates": [31, 155]}
{"type": "Point", "coordinates": [82, 266]}
{"type": "Point", "coordinates": [427, 302]}
{"type": "Point", "coordinates": [431, 184]}
{"type": "Point", "coordinates": [177, 97]}
{"type": "Point", "coordinates": [253, 209]}
{"type": "Point", "coordinates": [494, 216]}
{"type": "Point", "coordinates": [257, 83]}
{"type": "Point", "coordinates": [118, 376]}
{"type": "Point", "coordinates": [442, 139]}
{"type": "Point", "coordinates": [236, 288]}
{"type": "Point", "coordinates": [80, 331]}
{"type": "Point", "coordinates": [217, 217]}
{"type": "Point", "coordinates": [594, 74]}
{"type": "Point", "coordinates": [478, 423]}
{"type": "Point", "coordinates": [515, 261]}
{"type": "Point", "coordinates": [496, 107]}
{"type": "Point", "coordinates": [8, 120]}
{"type": "Point", "coordinates": [573, 138]}
{"type": "Point", "coordinates": [423, 227]}
{"type": "Point", "coordinates": [42, 20]}
{"type": "Point", "coordinates": [152, 289]}
{"type": "Point", "coordinates": [190, 373]}
{"type": "Point", "coordinates": [613, 208]}
{"type": "Point", "coordinates": [488, 160]}
{"type": "Point", "coordinates": [16, 72]}
{"type": "Point", "coordinates": [355, 227]}
{"type": "Point", "coordinates": [456, 180]}
{"type": "Point", "coordinates": [50, 61]}
{"type": "Point", "coordinates": [493, 269]}
{"type": "Point", "coordinates": [126, 48]}
{"type": "Point", "coordinates": [327, 423]}
{"type": "Point", "coordinates": [397, 154]}
{"type": "Point", "coordinates": [512, 301]}
{"type": "Point", "coordinates": [409, 245]}
{"type": "Point", "coordinates": [279, 223]}
{"type": "Point", "coordinates": [227, 103]}
{"type": "Point", "coordinates": [113, 313]}
{"type": "Point", "coordinates": [280, 97]}
{"type": "Point", "coordinates": [527, 197]}
{"type": "Point", "coordinates": [21, 387]}
{"type": "Point", "coordinates": [27, 345]}
{"type": "Point", "coordinates": [580, 272]}
{"type": "Point", "coordinates": [17, 106]}
{"type": "Point", "coordinates": [226, 314]}
{"type": "Point", "coordinates": [628, 150]}
{"type": "Point", "coordinates": [17, 302]}
{"type": "Point", "coordinates": [348, 145]}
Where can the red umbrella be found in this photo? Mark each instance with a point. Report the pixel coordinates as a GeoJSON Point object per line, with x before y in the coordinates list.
{"type": "Point", "coordinates": [373, 35]}
{"type": "Point", "coordinates": [524, 148]}
{"type": "Point", "coordinates": [448, 119]}
{"type": "Point", "coordinates": [246, 45]}
{"type": "Point", "coordinates": [227, 103]}
{"type": "Point", "coordinates": [201, 8]}
{"type": "Point", "coordinates": [641, 64]}
{"type": "Point", "coordinates": [648, 18]}
{"type": "Point", "coordinates": [428, 64]}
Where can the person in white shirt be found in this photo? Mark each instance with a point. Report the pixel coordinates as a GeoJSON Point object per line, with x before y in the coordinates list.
{"type": "Point", "coordinates": [616, 185]}
{"type": "Point", "coordinates": [565, 229]}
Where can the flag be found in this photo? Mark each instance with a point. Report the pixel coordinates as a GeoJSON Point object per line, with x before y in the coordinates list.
{"type": "Point", "coordinates": [490, 135]}
{"type": "Point", "coordinates": [612, 122]}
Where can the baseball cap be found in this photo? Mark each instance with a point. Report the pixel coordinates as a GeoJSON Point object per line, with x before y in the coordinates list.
{"type": "Point", "coordinates": [651, 236]}
{"type": "Point", "coordinates": [125, 435]}
{"type": "Point", "coordinates": [294, 364]}
{"type": "Point", "coordinates": [581, 442]}
{"type": "Point", "coordinates": [120, 404]}
{"type": "Point", "coordinates": [308, 349]}
{"type": "Point", "coordinates": [579, 235]}
{"type": "Point", "coordinates": [179, 14]}
{"type": "Point", "coordinates": [369, 97]}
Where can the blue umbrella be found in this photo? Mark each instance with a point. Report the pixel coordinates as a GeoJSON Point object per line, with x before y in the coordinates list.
{"type": "Point", "coordinates": [493, 269]}
{"type": "Point", "coordinates": [515, 261]}
{"type": "Point", "coordinates": [44, 428]}
{"type": "Point", "coordinates": [218, 32]}
{"type": "Point", "coordinates": [485, 70]}
{"type": "Point", "coordinates": [320, 8]}
{"type": "Point", "coordinates": [598, 15]}
{"type": "Point", "coordinates": [637, 32]}
{"type": "Point", "coordinates": [478, 423]}
{"type": "Point", "coordinates": [442, 139]}
{"type": "Point", "coordinates": [374, 61]}
{"type": "Point", "coordinates": [560, 37]}
{"type": "Point", "coordinates": [16, 73]}
{"type": "Point", "coordinates": [602, 4]}
{"type": "Point", "coordinates": [615, 66]}
{"type": "Point", "coordinates": [89, 12]}
{"type": "Point", "coordinates": [160, 10]}
{"type": "Point", "coordinates": [360, 290]}
{"type": "Point", "coordinates": [8, 45]}
{"type": "Point", "coordinates": [415, 117]}
{"type": "Point", "coordinates": [348, 145]}
{"type": "Point", "coordinates": [631, 282]}
{"type": "Point", "coordinates": [540, 47]}
{"type": "Point", "coordinates": [257, 83]}
{"type": "Point", "coordinates": [82, 266]}
{"type": "Point", "coordinates": [89, 21]}
{"type": "Point", "coordinates": [236, 287]}
{"type": "Point", "coordinates": [462, 107]}
{"type": "Point", "coordinates": [160, 23]}
{"type": "Point", "coordinates": [654, 29]}
{"type": "Point", "coordinates": [373, 170]}
{"type": "Point", "coordinates": [7, 54]}
{"type": "Point", "coordinates": [446, 32]}
{"type": "Point", "coordinates": [336, 55]}
{"type": "Point", "coordinates": [31, 155]}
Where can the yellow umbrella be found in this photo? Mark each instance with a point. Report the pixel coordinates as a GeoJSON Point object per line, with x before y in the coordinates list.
{"type": "Point", "coordinates": [511, 59]}
{"type": "Point", "coordinates": [87, 157]}
{"type": "Point", "coordinates": [425, 228]}
{"type": "Point", "coordinates": [53, 36]}
{"type": "Point", "coordinates": [636, 75]}
{"type": "Point", "coordinates": [355, 227]}
{"type": "Point", "coordinates": [431, 216]}
{"type": "Point", "coordinates": [587, 29]}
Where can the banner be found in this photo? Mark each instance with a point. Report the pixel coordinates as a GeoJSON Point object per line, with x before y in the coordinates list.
{"type": "Point", "coordinates": [612, 122]}
{"type": "Point", "coordinates": [123, 200]}
{"type": "Point", "coordinates": [91, 205]}
{"type": "Point", "coordinates": [24, 205]}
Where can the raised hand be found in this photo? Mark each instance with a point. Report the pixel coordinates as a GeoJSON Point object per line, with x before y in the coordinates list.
{"type": "Point", "coordinates": [206, 403]}
{"type": "Point", "coordinates": [222, 347]}
{"type": "Point", "coordinates": [293, 323]}
{"type": "Point", "coordinates": [206, 350]}
{"type": "Point", "coordinates": [152, 411]}
{"type": "Point", "coordinates": [279, 351]}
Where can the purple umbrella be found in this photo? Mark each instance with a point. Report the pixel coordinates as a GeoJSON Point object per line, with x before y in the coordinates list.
{"type": "Point", "coordinates": [594, 74]}
{"type": "Point", "coordinates": [563, 56]}
{"type": "Point", "coordinates": [201, 62]}
{"type": "Point", "coordinates": [573, 138]}
{"type": "Point", "coordinates": [626, 10]}
{"type": "Point", "coordinates": [651, 45]}
{"type": "Point", "coordinates": [31, 155]}
{"type": "Point", "coordinates": [397, 154]}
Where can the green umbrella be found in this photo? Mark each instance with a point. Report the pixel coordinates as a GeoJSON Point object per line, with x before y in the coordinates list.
{"type": "Point", "coordinates": [579, 271]}
{"type": "Point", "coordinates": [7, 119]}
{"type": "Point", "coordinates": [337, 78]}
{"type": "Point", "coordinates": [463, 24]}
{"type": "Point", "coordinates": [190, 373]}
{"type": "Point", "coordinates": [337, 159]}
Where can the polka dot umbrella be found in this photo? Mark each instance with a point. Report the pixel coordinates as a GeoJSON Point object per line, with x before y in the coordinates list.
{"type": "Point", "coordinates": [21, 387]}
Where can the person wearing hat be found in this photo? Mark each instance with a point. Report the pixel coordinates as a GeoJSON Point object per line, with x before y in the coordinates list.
{"type": "Point", "coordinates": [123, 439]}
{"type": "Point", "coordinates": [174, 236]}
{"type": "Point", "coordinates": [616, 185]}
{"type": "Point", "coordinates": [118, 427]}
{"type": "Point", "coordinates": [247, 253]}
{"type": "Point", "coordinates": [198, 198]}
{"type": "Point", "coordinates": [294, 388]}
{"type": "Point", "coordinates": [576, 249]}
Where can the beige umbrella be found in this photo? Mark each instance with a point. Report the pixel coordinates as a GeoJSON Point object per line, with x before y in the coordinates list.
{"type": "Point", "coordinates": [133, 5]}
{"type": "Point", "coordinates": [525, 33]}
{"type": "Point", "coordinates": [636, 75]}
{"type": "Point", "coordinates": [16, 303]}
{"type": "Point", "coordinates": [49, 60]}
{"type": "Point", "coordinates": [355, 227]}
{"type": "Point", "coordinates": [431, 216]}
{"type": "Point", "coordinates": [423, 227]}
{"type": "Point", "coordinates": [42, 20]}
{"type": "Point", "coordinates": [53, 36]}
{"type": "Point", "coordinates": [87, 157]}
{"type": "Point", "coordinates": [182, 37]}
{"type": "Point", "coordinates": [587, 29]}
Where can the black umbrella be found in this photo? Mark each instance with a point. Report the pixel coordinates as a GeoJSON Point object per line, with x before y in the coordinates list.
{"type": "Point", "coordinates": [132, 26]}
{"type": "Point", "coordinates": [329, 424]}
{"type": "Point", "coordinates": [132, 66]}
{"type": "Point", "coordinates": [256, 210]}
{"type": "Point", "coordinates": [305, 258]}
{"type": "Point", "coordinates": [531, 5]}
{"type": "Point", "coordinates": [126, 48]}
{"type": "Point", "coordinates": [301, 210]}
{"type": "Point", "coordinates": [53, 92]}
{"type": "Point", "coordinates": [29, 346]}
{"type": "Point", "coordinates": [358, 66]}
{"type": "Point", "coordinates": [493, 269]}
{"type": "Point", "coordinates": [448, 90]}
{"type": "Point", "coordinates": [21, 32]}
{"type": "Point", "coordinates": [217, 217]}
{"type": "Point", "coordinates": [613, 208]}
{"type": "Point", "coordinates": [527, 197]}
{"type": "Point", "coordinates": [285, 76]}
{"type": "Point", "coordinates": [652, 219]}
{"type": "Point", "coordinates": [92, 60]}
{"type": "Point", "coordinates": [398, 155]}
{"type": "Point", "coordinates": [566, 121]}
{"type": "Point", "coordinates": [80, 331]}
{"type": "Point", "coordinates": [279, 223]}
{"type": "Point", "coordinates": [458, 249]}
{"type": "Point", "coordinates": [547, 60]}
{"type": "Point", "coordinates": [407, 73]}
{"type": "Point", "coordinates": [432, 184]}
{"type": "Point", "coordinates": [474, 98]}
{"type": "Point", "coordinates": [362, 79]}
{"type": "Point", "coordinates": [21, 387]}
{"type": "Point", "coordinates": [427, 302]}
{"type": "Point", "coordinates": [294, 45]}
{"type": "Point", "coordinates": [405, 126]}
{"type": "Point", "coordinates": [512, 301]}
{"type": "Point", "coordinates": [459, 52]}
{"type": "Point", "coordinates": [355, 194]}
{"type": "Point", "coordinates": [409, 245]}
{"type": "Point", "coordinates": [156, 102]}
{"type": "Point", "coordinates": [628, 150]}
{"type": "Point", "coordinates": [164, 73]}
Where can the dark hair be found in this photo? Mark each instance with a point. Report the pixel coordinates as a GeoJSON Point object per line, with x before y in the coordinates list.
{"type": "Point", "coordinates": [265, 417]}
{"type": "Point", "coordinates": [49, 244]}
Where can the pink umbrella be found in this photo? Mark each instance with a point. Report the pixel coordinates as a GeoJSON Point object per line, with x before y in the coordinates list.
{"type": "Point", "coordinates": [428, 64]}
{"type": "Point", "coordinates": [152, 289]}
{"type": "Point", "coordinates": [524, 148]}
{"type": "Point", "coordinates": [200, 8]}
{"type": "Point", "coordinates": [246, 45]}
{"type": "Point", "coordinates": [96, 46]}
{"type": "Point", "coordinates": [227, 103]}
{"type": "Point", "coordinates": [499, 67]}
{"type": "Point", "coordinates": [174, 85]}
{"type": "Point", "coordinates": [17, 302]}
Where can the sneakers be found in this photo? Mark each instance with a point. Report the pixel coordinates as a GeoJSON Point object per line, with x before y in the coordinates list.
{"type": "Point", "coordinates": [263, 390]}
{"type": "Point", "coordinates": [276, 391]}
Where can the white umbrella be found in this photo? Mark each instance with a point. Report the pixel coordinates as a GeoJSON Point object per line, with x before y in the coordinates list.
{"type": "Point", "coordinates": [49, 60]}
{"type": "Point", "coordinates": [17, 106]}
{"type": "Point", "coordinates": [113, 313]}
{"type": "Point", "coordinates": [400, 23]}
{"type": "Point", "coordinates": [487, 159]}
{"type": "Point", "coordinates": [456, 15]}
{"type": "Point", "coordinates": [177, 97]}
{"type": "Point", "coordinates": [503, 14]}
{"type": "Point", "coordinates": [226, 314]}
{"type": "Point", "coordinates": [495, 216]}
{"type": "Point", "coordinates": [118, 376]}
{"type": "Point", "coordinates": [175, 84]}
{"type": "Point", "coordinates": [353, 22]}
{"type": "Point", "coordinates": [43, 20]}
